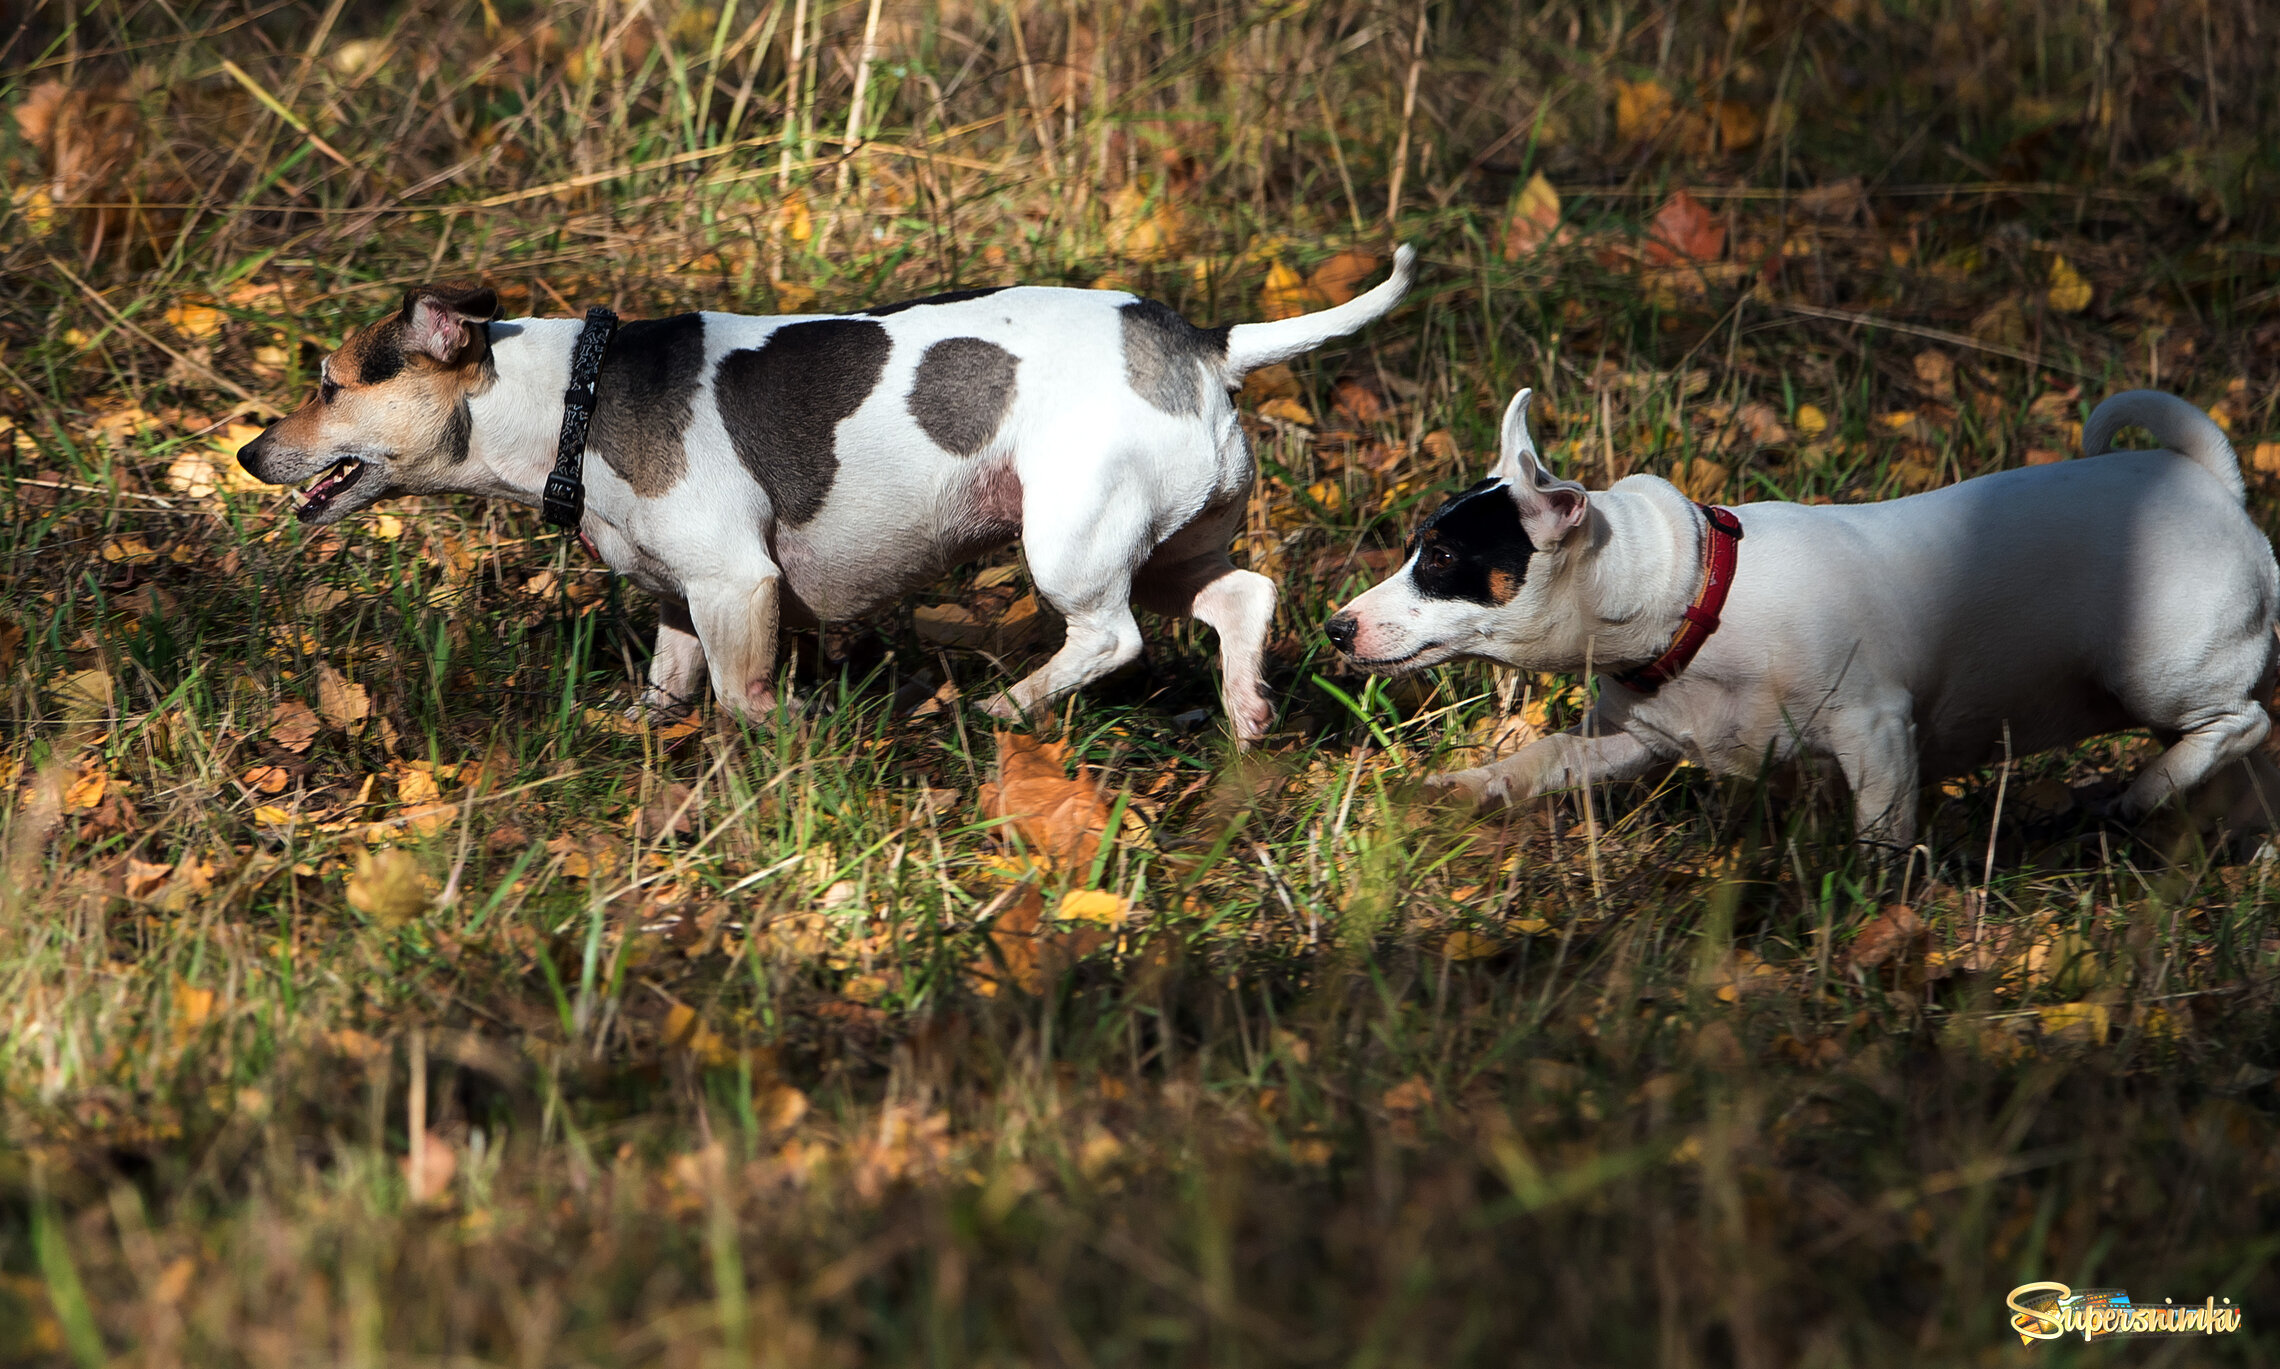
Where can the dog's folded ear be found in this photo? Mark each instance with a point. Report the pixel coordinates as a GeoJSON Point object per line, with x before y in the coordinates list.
{"type": "Point", "coordinates": [1550, 508]}
{"type": "Point", "coordinates": [445, 322]}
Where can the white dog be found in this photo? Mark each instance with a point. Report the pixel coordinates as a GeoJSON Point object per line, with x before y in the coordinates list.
{"type": "Point", "coordinates": [750, 465]}
{"type": "Point", "coordinates": [1905, 640]}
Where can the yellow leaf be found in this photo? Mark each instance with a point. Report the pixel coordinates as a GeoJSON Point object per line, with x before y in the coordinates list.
{"type": "Point", "coordinates": [1142, 226]}
{"type": "Point", "coordinates": [2069, 292]}
{"type": "Point", "coordinates": [144, 877]}
{"type": "Point", "coordinates": [1287, 294]}
{"type": "Point", "coordinates": [194, 320]}
{"type": "Point", "coordinates": [1739, 126]}
{"type": "Point", "coordinates": [192, 1008]}
{"type": "Point", "coordinates": [1468, 946]}
{"type": "Point", "coordinates": [793, 219]}
{"type": "Point", "coordinates": [1700, 477]}
{"type": "Point", "coordinates": [270, 815]}
{"type": "Point", "coordinates": [1289, 411]}
{"type": "Point", "coordinates": [1811, 421]}
{"type": "Point", "coordinates": [1642, 109]}
{"type": "Point", "coordinates": [1094, 905]}
{"type": "Point", "coordinates": [792, 298]}
{"type": "Point", "coordinates": [1535, 218]}
{"type": "Point", "coordinates": [416, 786]}
{"type": "Point", "coordinates": [85, 695]}
{"type": "Point", "coordinates": [388, 887]}
{"type": "Point", "coordinates": [2264, 458]}
{"type": "Point", "coordinates": [2076, 1021]}
{"type": "Point", "coordinates": [86, 791]}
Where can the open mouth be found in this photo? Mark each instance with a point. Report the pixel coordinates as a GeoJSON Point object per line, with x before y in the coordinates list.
{"type": "Point", "coordinates": [329, 487]}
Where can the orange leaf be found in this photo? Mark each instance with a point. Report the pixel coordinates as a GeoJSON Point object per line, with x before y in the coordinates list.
{"type": "Point", "coordinates": [1060, 819]}
{"type": "Point", "coordinates": [1340, 278]}
{"type": "Point", "coordinates": [293, 725]}
{"type": "Point", "coordinates": [1684, 230]}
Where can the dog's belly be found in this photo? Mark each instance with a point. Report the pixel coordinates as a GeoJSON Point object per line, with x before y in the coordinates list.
{"type": "Point", "coordinates": [857, 558]}
{"type": "Point", "coordinates": [1957, 735]}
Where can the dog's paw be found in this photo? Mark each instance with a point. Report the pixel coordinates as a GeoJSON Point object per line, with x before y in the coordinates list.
{"type": "Point", "coordinates": [657, 707]}
{"type": "Point", "coordinates": [1469, 788]}
{"type": "Point", "coordinates": [1004, 709]}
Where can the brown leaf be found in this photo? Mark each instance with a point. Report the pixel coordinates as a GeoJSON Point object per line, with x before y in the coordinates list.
{"type": "Point", "coordinates": [388, 887]}
{"type": "Point", "coordinates": [339, 702]}
{"type": "Point", "coordinates": [1359, 402]}
{"type": "Point", "coordinates": [1844, 202]}
{"type": "Point", "coordinates": [1340, 278]}
{"type": "Point", "coordinates": [1935, 370]}
{"type": "Point", "coordinates": [1701, 478]}
{"type": "Point", "coordinates": [1684, 230]}
{"type": "Point", "coordinates": [1739, 126]}
{"type": "Point", "coordinates": [1032, 951]}
{"type": "Point", "coordinates": [1887, 936]}
{"type": "Point", "coordinates": [1270, 382]}
{"type": "Point", "coordinates": [293, 725]}
{"type": "Point", "coordinates": [1059, 819]}
{"type": "Point", "coordinates": [1288, 294]}
{"type": "Point", "coordinates": [669, 815]}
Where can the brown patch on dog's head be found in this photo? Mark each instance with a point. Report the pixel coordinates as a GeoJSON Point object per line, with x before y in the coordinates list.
{"type": "Point", "coordinates": [391, 410]}
{"type": "Point", "coordinates": [1502, 585]}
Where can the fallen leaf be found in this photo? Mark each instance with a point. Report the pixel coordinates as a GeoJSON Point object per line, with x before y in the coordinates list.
{"type": "Point", "coordinates": [416, 785]}
{"type": "Point", "coordinates": [1739, 126]}
{"type": "Point", "coordinates": [1270, 382]}
{"type": "Point", "coordinates": [791, 297]}
{"type": "Point", "coordinates": [1031, 953]}
{"type": "Point", "coordinates": [1145, 224]}
{"type": "Point", "coordinates": [1684, 230]}
{"type": "Point", "coordinates": [1535, 218]}
{"type": "Point", "coordinates": [86, 792]}
{"type": "Point", "coordinates": [293, 725]}
{"type": "Point", "coordinates": [2003, 322]}
{"type": "Point", "coordinates": [793, 219]}
{"type": "Point", "coordinates": [267, 779]}
{"type": "Point", "coordinates": [1059, 819]}
{"type": "Point", "coordinates": [1935, 370]}
{"type": "Point", "coordinates": [193, 1008]}
{"type": "Point", "coordinates": [1642, 109]}
{"type": "Point", "coordinates": [388, 887]}
{"type": "Point", "coordinates": [145, 877]}
{"type": "Point", "coordinates": [1886, 936]}
{"type": "Point", "coordinates": [2069, 293]}
{"type": "Point", "coordinates": [194, 320]}
{"type": "Point", "coordinates": [1463, 945]}
{"type": "Point", "coordinates": [1358, 402]}
{"type": "Point", "coordinates": [1289, 411]}
{"type": "Point", "coordinates": [339, 702]}
{"type": "Point", "coordinates": [2043, 456]}
{"type": "Point", "coordinates": [1701, 478]}
{"type": "Point", "coordinates": [1287, 294]}
{"type": "Point", "coordinates": [2076, 1021]}
{"type": "Point", "coordinates": [684, 1030]}
{"type": "Point", "coordinates": [1410, 1095]}
{"type": "Point", "coordinates": [1761, 423]}
{"type": "Point", "coordinates": [85, 696]}
{"type": "Point", "coordinates": [1097, 906]}
{"type": "Point", "coordinates": [1340, 278]}
{"type": "Point", "coordinates": [669, 815]}
{"type": "Point", "coordinates": [2263, 458]}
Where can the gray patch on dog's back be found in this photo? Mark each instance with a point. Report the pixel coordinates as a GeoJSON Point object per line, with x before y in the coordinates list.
{"type": "Point", "coordinates": [783, 402]}
{"type": "Point", "coordinates": [643, 399]}
{"type": "Point", "coordinates": [946, 297]}
{"type": "Point", "coordinates": [962, 392]}
{"type": "Point", "coordinates": [458, 431]}
{"type": "Point", "coordinates": [1162, 352]}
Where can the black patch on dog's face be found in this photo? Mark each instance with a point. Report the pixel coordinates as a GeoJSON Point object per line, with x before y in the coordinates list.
{"type": "Point", "coordinates": [783, 402]}
{"type": "Point", "coordinates": [946, 297]}
{"type": "Point", "coordinates": [962, 392]}
{"type": "Point", "coordinates": [1161, 350]}
{"type": "Point", "coordinates": [644, 397]}
{"type": "Point", "coordinates": [1473, 548]}
{"type": "Point", "coordinates": [381, 359]}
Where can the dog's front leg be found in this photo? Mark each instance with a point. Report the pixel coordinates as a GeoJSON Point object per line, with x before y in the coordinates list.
{"type": "Point", "coordinates": [676, 668]}
{"type": "Point", "coordinates": [736, 622]}
{"type": "Point", "coordinates": [1881, 768]}
{"type": "Point", "coordinates": [1565, 760]}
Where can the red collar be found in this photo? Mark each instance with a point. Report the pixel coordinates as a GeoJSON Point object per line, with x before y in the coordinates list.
{"type": "Point", "coordinates": [1720, 544]}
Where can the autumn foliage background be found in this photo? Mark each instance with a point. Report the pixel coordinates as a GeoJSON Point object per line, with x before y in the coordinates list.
{"type": "Point", "coordinates": [370, 992]}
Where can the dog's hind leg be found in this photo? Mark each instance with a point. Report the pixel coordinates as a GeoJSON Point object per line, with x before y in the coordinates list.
{"type": "Point", "coordinates": [1239, 605]}
{"type": "Point", "coordinates": [677, 666]}
{"type": "Point", "coordinates": [736, 622]}
{"type": "Point", "coordinates": [2199, 751]}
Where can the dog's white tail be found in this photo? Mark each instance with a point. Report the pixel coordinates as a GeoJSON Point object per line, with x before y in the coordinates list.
{"type": "Point", "coordinates": [1252, 345]}
{"type": "Point", "coordinates": [2175, 424]}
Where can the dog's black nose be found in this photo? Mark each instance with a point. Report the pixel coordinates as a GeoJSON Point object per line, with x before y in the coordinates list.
{"type": "Point", "coordinates": [253, 454]}
{"type": "Point", "coordinates": [1341, 629]}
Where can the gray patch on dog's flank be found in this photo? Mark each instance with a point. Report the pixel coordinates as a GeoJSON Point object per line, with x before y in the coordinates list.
{"type": "Point", "coordinates": [458, 432]}
{"type": "Point", "coordinates": [784, 400]}
{"type": "Point", "coordinates": [643, 399]}
{"type": "Point", "coordinates": [1162, 352]}
{"type": "Point", "coordinates": [962, 392]}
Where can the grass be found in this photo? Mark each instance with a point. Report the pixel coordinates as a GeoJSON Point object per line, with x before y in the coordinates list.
{"type": "Point", "coordinates": [729, 1045]}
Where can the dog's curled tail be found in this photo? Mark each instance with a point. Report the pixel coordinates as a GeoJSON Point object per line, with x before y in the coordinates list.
{"type": "Point", "coordinates": [1252, 345]}
{"type": "Point", "coordinates": [2175, 424]}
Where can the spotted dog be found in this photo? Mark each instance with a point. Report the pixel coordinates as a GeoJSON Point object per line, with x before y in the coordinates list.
{"type": "Point", "coordinates": [826, 465]}
{"type": "Point", "coordinates": [1905, 641]}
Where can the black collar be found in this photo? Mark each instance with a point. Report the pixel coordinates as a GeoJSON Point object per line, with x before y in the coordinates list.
{"type": "Point", "coordinates": [565, 498]}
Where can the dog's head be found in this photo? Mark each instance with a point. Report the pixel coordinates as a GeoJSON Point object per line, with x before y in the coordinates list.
{"type": "Point", "coordinates": [1489, 575]}
{"type": "Point", "coordinates": [390, 415]}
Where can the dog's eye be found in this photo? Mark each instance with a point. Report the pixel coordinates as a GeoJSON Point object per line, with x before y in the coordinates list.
{"type": "Point", "coordinates": [327, 391]}
{"type": "Point", "coordinates": [1435, 558]}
